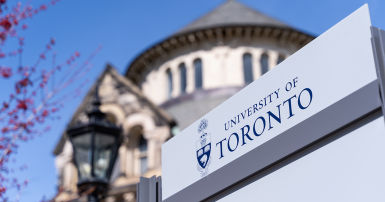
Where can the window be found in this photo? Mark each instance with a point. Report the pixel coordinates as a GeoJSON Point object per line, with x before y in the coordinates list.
{"type": "Point", "coordinates": [248, 68]}
{"type": "Point", "coordinates": [264, 63]}
{"type": "Point", "coordinates": [135, 158]}
{"type": "Point", "coordinates": [280, 59]}
{"type": "Point", "coordinates": [198, 73]}
{"type": "Point", "coordinates": [169, 83]}
{"type": "Point", "coordinates": [183, 78]}
{"type": "Point", "coordinates": [143, 154]}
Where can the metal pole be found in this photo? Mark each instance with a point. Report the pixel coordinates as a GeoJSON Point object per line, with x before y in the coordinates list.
{"type": "Point", "coordinates": [149, 189]}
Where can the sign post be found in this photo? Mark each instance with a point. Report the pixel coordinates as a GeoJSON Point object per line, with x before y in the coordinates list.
{"type": "Point", "coordinates": [311, 129]}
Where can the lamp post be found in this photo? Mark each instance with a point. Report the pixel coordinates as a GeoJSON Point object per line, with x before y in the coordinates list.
{"type": "Point", "coordinates": [95, 146]}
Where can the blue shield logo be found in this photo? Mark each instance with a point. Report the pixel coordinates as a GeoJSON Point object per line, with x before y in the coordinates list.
{"type": "Point", "coordinates": [204, 150]}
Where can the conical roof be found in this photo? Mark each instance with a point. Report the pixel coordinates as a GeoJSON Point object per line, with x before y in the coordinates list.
{"type": "Point", "coordinates": [232, 13]}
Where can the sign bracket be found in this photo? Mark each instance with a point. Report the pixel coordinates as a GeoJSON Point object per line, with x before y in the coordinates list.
{"type": "Point", "coordinates": [378, 45]}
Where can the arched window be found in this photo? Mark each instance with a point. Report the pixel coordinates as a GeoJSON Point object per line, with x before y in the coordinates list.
{"type": "Point", "coordinates": [169, 83]}
{"type": "Point", "coordinates": [198, 73]}
{"type": "Point", "coordinates": [143, 154]}
{"type": "Point", "coordinates": [248, 68]}
{"type": "Point", "coordinates": [280, 59]}
{"type": "Point", "coordinates": [183, 78]}
{"type": "Point", "coordinates": [264, 63]}
{"type": "Point", "coordinates": [135, 155]}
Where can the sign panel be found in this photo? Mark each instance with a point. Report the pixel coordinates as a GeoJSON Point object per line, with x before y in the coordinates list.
{"type": "Point", "coordinates": [350, 168]}
{"type": "Point", "coordinates": [331, 67]}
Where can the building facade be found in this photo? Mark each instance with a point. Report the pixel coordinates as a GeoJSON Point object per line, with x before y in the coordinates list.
{"type": "Point", "coordinates": [174, 83]}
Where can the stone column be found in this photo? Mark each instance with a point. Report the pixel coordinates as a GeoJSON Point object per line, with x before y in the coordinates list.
{"type": "Point", "coordinates": [273, 58]}
{"type": "Point", "coordinates": [122, 159]}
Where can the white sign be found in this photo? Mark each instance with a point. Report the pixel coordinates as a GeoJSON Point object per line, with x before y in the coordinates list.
{"type": "Point", "coordinates": [350, 168]}
{"type": "Point", "coordinates": [331, 67]}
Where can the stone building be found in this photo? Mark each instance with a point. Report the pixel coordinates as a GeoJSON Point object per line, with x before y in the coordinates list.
{"type": "Point", "coordinates": [174, 83]}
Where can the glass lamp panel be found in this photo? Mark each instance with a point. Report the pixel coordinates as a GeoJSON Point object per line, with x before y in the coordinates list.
{"type": "Point", "coordinates": [102, 154]}
{"type": "Point", "coordinates": [82, 146]}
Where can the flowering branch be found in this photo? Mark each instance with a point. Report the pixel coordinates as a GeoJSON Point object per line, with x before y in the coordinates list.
{"type": "Point", "coordinates": [19, 115]}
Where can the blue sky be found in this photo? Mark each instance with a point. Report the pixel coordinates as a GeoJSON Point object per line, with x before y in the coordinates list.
{"type": "Point", "coordinates": [127, 27]}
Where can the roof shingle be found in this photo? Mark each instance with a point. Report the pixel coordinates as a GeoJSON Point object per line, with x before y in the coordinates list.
{"type": "Point", "coordinates": [231, 13]}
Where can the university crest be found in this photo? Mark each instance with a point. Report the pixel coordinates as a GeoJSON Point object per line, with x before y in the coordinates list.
{"type": "Point", "coordinates": [203, 149]}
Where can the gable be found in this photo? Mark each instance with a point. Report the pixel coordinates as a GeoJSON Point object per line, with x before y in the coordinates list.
{"type": "Point", "coordinates": [120, 99]}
